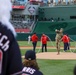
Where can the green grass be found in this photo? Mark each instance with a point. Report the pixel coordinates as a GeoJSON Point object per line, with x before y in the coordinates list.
{"type": "Point", "coordinates": [52, 67]}
{"type": "Point", "coordinates": [57, 67]}
{"type": "Point", "coordinates": [49, 43]}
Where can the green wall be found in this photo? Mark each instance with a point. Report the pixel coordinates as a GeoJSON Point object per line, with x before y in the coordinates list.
{"type": "Point", "coordinates": [24, 37]}
{"type": "Point", "coordinates": [49, 29]}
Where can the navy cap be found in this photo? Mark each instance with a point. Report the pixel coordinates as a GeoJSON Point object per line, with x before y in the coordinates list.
{"type": "Point", "coordinates": [30, 55]}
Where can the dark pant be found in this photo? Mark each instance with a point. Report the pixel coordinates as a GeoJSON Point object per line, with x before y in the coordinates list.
{"type": "Point", "coordinates": [68, 47]}
{"type": "Point", "coordinates": [34, 45]}
{"type": "Point", "coordinates": [65, 46]}
{"type": "Point", "coordinates": [44, 45]}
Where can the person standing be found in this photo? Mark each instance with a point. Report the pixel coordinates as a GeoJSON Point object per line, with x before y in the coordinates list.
{"type": "Point", "coordinates": [59, 34]}
{"type": "Point", "coordinates": [34, 39]}
{"type": "Point", "coordinates": [29, 39]}
{"type": "Point", "coordinates": [65, 40]}
{"type": "Point", "coordinates": [30, 64]}
{"type": "Point", "coordinates": [10, 56]}
{"type": "Point", "coordinates": [44, 40]}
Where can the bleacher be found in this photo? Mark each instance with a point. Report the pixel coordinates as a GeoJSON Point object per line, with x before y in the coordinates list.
{"type": "Point", "coordinates": [23, 27]}
{"type": "Point", "coordinates": [19, 23]}
{"type": "Point", "coordinates": [16, 2]}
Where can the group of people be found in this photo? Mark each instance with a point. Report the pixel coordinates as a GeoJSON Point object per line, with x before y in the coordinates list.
{"type": "Point", "coordinates": [44, 38]}
{"type": "Point", "coordinates": [10, 56]}
{"type": "Point", "coordinates": [62, 37]}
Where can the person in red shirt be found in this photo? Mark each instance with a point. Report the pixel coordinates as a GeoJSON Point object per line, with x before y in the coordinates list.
{"type": "Point", "coordinates": [34, 39]}
{"type": "Point", "coordinates": [65, 40]}
{"type": "Point", "coordinates": [44, 40]}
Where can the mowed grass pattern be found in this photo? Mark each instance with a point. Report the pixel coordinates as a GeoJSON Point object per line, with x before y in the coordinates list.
{"type": "Point", "coordinates": [57, 67]}
{"type": "Point", "coordinates": [49, 43]}
{"type": "Point", "coordinates": [52, 67]}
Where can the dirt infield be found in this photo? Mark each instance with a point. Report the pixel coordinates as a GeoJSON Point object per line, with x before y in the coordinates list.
{"type": "Point", "coordinates": [53, 55]}
{"type": "Point", "coordinates": [49, 47]}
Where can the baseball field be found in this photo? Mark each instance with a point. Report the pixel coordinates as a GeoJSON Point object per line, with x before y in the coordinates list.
{"type": "Point", "coordinates": [49, 62]}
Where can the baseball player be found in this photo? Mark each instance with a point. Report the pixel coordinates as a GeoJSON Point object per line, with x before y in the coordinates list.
{"type": "Point", "coordinates": [10, 57]}
{"type": "Point", "coordinates": [30, 64]}
{"type": "Point", "coordinates": [29, 39]}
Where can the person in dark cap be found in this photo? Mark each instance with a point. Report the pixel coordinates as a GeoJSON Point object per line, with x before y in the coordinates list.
{"type": "Point", "coordinates": [30, 64]}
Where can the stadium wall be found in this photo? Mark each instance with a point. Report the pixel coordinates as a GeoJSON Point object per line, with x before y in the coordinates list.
{"type": "Point", "coordinates": [48, 28]}
{"type": "Point", "coordinates": [24, 37]}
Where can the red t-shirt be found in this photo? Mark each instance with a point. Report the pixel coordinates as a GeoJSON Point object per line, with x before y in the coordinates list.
{"type": "Point", "coordinates": [34, 38]}
{"type": "Point", "coordinates": [44, 39]}
{"type": "Point", "coordinates": [65, 39]}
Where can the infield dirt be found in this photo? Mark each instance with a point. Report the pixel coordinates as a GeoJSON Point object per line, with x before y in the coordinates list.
{"type": "Point", "coordinates": [53, 55]}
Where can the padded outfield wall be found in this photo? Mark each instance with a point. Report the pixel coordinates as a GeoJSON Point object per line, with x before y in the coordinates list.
{"type": "Point", "coordinates": [48, 28]}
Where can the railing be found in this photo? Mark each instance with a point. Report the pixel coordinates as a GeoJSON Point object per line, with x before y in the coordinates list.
{"type": "Point", "coordinates": [33, 26]}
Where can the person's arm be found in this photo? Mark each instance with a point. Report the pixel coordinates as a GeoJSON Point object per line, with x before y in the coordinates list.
{"type": "Point", "coordinates": [38, 73]}
{"type": "Point", "coordinates": [37, 38]}
{"type": "Point", "coordinates": [48, 38]}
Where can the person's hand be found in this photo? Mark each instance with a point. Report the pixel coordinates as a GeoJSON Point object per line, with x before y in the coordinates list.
{"type": "Point", "coordinates": [56, 30]}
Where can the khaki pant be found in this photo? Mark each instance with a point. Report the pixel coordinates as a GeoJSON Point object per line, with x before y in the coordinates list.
{"type": "Point", "coordinates": [58, 44]}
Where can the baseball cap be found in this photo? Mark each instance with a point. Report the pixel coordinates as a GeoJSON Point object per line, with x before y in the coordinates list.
{"type": "Point", "coordinates": [30, 55]}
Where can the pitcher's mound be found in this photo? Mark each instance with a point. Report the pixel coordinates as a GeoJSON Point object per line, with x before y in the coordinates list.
{"type": "Point", "coordinates": [53, 55]}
